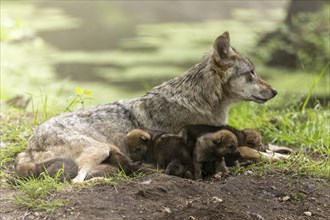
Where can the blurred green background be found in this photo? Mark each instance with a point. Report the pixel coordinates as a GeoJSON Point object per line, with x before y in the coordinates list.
{"type": "Point", "coordinates": [119, 49]}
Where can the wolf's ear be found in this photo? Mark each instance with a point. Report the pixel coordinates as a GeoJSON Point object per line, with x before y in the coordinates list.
{"type": "Point", "coordinates": [217, 141]}
{"type": "Point", "coordinates": [222, 45]}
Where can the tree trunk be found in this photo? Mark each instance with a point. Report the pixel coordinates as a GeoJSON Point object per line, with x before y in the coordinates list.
{"type": "Point", "coordinates": [281, 56]}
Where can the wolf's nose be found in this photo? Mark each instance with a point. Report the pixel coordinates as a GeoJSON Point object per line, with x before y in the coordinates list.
{"type": "Point", "coordinates": [274, 92]}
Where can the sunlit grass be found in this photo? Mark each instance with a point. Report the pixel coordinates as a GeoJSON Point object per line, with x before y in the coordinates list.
{"type": "Point", "coordinates": [38, 193]}
{"type": "Point", "coordinates": [286, 126]}
{"type": "Point", "coordinates": [14, 131]}
{"type": "Point", "coordinates": [299, 165]}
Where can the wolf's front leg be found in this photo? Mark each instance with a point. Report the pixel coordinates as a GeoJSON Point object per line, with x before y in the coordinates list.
{"type": "Point", "coordinates": [220, 166]}
{"type": "Point", "coordinates": [175, 168]}
{"type": "Point", "coordinates": [88, 159]}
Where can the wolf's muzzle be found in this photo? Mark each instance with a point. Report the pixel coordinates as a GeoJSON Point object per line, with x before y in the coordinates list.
{"type": "Point", "coordinates": [274, 92]}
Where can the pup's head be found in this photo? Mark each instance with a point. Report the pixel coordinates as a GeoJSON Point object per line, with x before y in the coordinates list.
{"type": "Point", "coordinates": [26, 169]}
{"type": "Point", "coordinates": [136, 144]}
{"type": "Point", "coordinates": [224, 142]}
{"type": "Point", "coordinates": [240, 81]}
{"type": "Point", "coordinates": [253, 139]}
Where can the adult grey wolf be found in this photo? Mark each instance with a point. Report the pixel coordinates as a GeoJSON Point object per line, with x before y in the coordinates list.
{"type": "Point", "coordinates": [202, 95]}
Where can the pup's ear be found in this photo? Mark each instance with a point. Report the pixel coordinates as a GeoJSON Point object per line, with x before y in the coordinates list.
{"type": "Point", "coordinates": [145, 137]}
{"type": "Point", "coordinates": [218, 140]}
{"type": "Point", "coordinates": [221, 45]}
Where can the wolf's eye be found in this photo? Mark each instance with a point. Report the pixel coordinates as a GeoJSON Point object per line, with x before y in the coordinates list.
{"type": "Point", "coordinates": [249, 77]}
{"type": "Point", "coordinates": [231, 146]}
{"type": "Point", "coordinates": [252, 72]}
{"type": "Point", "coordinates": [250, 142]}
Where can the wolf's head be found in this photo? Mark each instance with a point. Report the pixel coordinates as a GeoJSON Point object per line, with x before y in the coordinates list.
{"type": "Point", "coordinates": [224, 142]}
{"type": "Point", "coordinates": [136, 144]}
{"type": "Point", "coordinates": [240, 81]}
{"type": "Point", "coordinates": [252, 138]}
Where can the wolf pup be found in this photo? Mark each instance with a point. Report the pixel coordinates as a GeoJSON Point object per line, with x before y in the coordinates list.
{"type": "Point", "coordinates": [116, 160]}
{"type": "Point", "coordinates": [138, 141]}
{"type": "Point", "coordinates": [211, 148]}
{"type": "Point", "coordinates": [202, 95]}
{"type": "Point", "coordinates": [51, 167]}
{"type": "Point", "coordinates": [246, 137]}
{"type": "Point", "coordinates": [166, 151]}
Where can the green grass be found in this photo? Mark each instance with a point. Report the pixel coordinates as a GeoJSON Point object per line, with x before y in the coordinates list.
{"type": "Point", "coordinates": [14, 131]}
{"type": "Point", "coordinates": [38, 193]}
{"type": "Point", "coordinates": [296, 166]}
{"type": "Point", "coordinates": [307, 132]}
{"type": "Point", "coordinates": [288, 126]}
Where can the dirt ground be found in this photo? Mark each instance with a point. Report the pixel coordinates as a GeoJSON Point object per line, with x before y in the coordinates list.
{"type": "Point", "coordinates": [159, 196]}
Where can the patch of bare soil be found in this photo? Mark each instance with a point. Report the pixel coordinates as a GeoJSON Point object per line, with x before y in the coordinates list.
{"type": "Point", "coordinates": [160, 196]}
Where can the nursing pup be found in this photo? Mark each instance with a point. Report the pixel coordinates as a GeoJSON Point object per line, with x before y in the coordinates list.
{"type": "Point", "coordinates": [51, 167]}
{"type": "Point", "coordinates": [138, 142]}
{"type": "Point", "coordinates": [167, 151]}
{"type": "Point", "coordinates": [116, 161]}
{"type": "Point", "coordinates": [210, 149]}
{"type": "Point", "coordinates": [245, 137]}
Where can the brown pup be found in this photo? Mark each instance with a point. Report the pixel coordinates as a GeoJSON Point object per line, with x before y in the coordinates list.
{"type": "Point", "coordinates": [138, 141]}
{"type": "Point", "coordinates": [246, 137]}
{"type": "Point", "coordinates": [167, 151]}
{"type": "Point", "coordinates": [70, 168]}
{"type": "Point", "coordinates": [211, 148]}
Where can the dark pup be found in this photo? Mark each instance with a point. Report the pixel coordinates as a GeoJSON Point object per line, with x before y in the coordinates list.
{"type": "Point", "coordinates": [167, 151]}
{"type": "Point", "coordinates": [116, 160]}
{"type": "Point", "coordinates": [211, 148]}
{"type": "Point", "coordinates": [52, 167]}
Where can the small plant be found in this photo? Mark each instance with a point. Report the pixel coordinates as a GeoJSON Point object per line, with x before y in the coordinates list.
{"type": "Point", "coordinates": [44, 114]}
{"type": "Point", "coordinates": [315, 82]}
{"type": "Point", "coordinates": [80, 98]}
